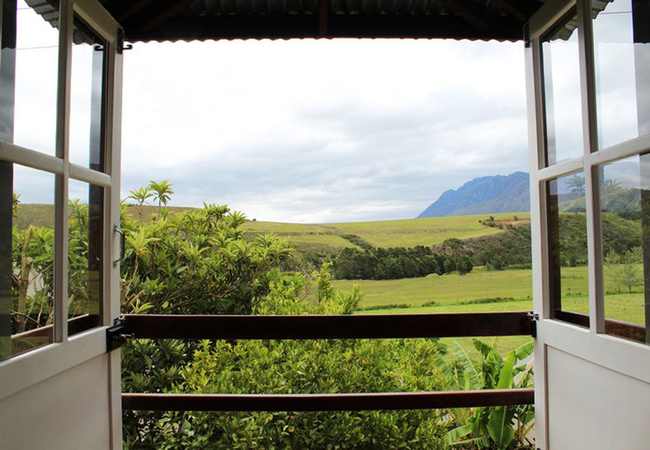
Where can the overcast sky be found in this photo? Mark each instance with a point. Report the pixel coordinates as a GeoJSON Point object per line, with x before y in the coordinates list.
{"type": "Point", "coordinates": [322, 131]}
{"type": "Point", "coordinates": [315, 130]}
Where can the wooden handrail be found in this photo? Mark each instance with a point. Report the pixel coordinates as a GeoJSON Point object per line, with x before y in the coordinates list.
{"type": "Point", "coordinates": [328, 327]}
{"type": "Point", "coordinates": [327, 402]}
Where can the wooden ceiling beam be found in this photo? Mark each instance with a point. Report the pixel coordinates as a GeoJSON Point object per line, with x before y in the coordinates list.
{"type": "Point", "coordinates": [132, 9]}
{"type": "Point", "coordinates": [157, 13]}
{"type": "Point", "coordinates": [469, 11]}
{"type": "Point", "coordinates": [323, 12]}
{"type": "Point", "coordinates": [513, 9]}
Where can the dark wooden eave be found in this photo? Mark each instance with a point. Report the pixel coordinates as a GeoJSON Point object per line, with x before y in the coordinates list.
{"type": "Point", "coordinates": [173, 20]}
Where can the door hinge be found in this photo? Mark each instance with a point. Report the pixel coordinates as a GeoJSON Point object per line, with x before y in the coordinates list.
{"type": "Point", "coordinates": [120, 42]}
{"type": "Point", "coordinates": [533, 318]}
{"type": "Point", "coordinates": [115, 335]}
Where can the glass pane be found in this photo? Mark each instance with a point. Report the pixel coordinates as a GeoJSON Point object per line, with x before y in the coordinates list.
{"type": "Point", "coordinates": [34, 117]}
{"type": "Point", "coordinates": [26, 259]}
{"type": "Point", "coordinates": [86, 101]}
{"type": "Point", "coordinates": [562, 92]}
{"type": "Point", "coordinates": [567, 235]}
{"type": "Point", "coordinates": [625, 204]}
{"type": "Point", "coordinates": [85, 256]}
{"type": "Point", "coordinates": [622, 52]}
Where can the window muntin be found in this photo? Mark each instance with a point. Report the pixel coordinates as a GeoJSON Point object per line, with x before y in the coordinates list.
{"type": "Point", "coordinates": [87, 99]}
{"type": "Point", "coordinates": [567, 240]}
{"type": "Point", "coordinates": [27, 249]}
{"type": "Point", "coordinates": [622, 53]}
{"type": "Point", "coordinates": [625, 214]}
{"type": "Point", "coordinates": [562, 106]}
{"type": "Point", "coordinates": [35, 81]}
{"type": "Point", "coordinates": [85, 256]}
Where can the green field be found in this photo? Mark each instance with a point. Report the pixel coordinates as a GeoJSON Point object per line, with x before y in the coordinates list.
{"type": "Point", "coordinates": [483, 291]}
{"type": "Point", "coordinates": [386, 233]}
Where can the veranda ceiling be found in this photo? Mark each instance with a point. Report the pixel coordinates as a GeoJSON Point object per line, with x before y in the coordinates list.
{"type": "Point", "coordinates": [161, 20]}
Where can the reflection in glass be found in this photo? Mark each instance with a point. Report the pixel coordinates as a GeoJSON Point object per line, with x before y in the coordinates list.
{"type": "Point", "coordinates": [86, 97]}
{"type": "Point", "coordinates": [85, 256]}
{"type": "Point", "coordinates": [625, 205]}
{"type": "Point", "coordinates": [562, 92]}
{"type": "Point", "coordinates": [622, 54]}
{"type": "Point", "coordinates": [567, 235]}
{"type": "Point", "coordinates": [26, 259]}
{"type": "Point", "coordinates": [35, 79]}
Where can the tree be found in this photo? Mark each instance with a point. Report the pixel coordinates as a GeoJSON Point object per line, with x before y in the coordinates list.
{"type": "Point", "coordinates": [162, 192]}
{"type": "Point", "coordinates": [140, 195]}
{"type": "Point", "coordinates": [625, 269]}
{"type": "Point", "coordinates": [577, 184]}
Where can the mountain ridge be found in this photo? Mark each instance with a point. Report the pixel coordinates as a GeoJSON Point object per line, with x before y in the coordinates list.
{"type": "Point", "coordinates": [483, 195]}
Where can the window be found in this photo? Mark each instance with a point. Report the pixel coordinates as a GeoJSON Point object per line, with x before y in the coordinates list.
{"type": "Point", "coordinates": [561, 73]}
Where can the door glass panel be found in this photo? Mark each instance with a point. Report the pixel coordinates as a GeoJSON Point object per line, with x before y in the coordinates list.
{"type": "Point", "coordinates": [26, 259]}
{"type": "Point", "coordinates": [561, 73]}
{"type": "Point", "coordinates": [622, 55]}
{"type": "Point", "coordinates": [625, 205]}
{"type": "Point", "coordinates": [88, 61]}
{"type": "Point", "coordinates": [36, 52]}
{"type": "Point", "coordinates": [85, 256]}
{"type": "Point", "coordinates": [567, 236]}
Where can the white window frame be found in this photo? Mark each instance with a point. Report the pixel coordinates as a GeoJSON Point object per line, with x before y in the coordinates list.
{"type": "Point", "coordinates": [22, 371]}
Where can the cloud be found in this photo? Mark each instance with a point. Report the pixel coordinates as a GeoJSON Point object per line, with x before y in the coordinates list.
{"type": "Point", "coordinates": [322, 130]}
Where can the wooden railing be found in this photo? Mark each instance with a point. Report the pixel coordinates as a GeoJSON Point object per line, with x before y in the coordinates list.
{"type": "Point", "coordinates": [327, 327]}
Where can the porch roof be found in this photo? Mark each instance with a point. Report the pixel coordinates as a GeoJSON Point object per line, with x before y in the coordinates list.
{"type": "Point", "coordinates": [187, 20]}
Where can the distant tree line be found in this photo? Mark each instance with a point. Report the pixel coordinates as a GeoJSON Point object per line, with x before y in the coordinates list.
{"type": "Point", "coordinates": [397, 262]}
{"type": "Point", "coordinates": [511, 249]}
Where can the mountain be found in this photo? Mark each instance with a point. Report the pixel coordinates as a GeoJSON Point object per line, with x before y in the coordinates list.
{"type": "Point", "coordinates": [484, 195]}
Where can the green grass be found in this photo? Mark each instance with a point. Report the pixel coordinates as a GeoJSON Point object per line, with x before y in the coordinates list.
{"type": "Point", "coordinates": [445, 289]}
{"type": "Point", "coordinates": [386, 233]}
{"type": "Point", "coordinates": [488, 291]}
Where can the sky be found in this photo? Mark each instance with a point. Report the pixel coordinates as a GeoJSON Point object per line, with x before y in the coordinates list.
{"type": "Point", "coordinates": [315, 130]}
{"type": "Point", "coordinates": [322, 130]}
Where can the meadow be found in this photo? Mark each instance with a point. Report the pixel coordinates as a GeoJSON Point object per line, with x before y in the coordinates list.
{"type": "Point", "coordinates": [482, 291]}
{"type": "Point", "coordinates": [387, 233]}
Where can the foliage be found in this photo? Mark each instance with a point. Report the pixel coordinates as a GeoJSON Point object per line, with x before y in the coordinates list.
{"type": "Point", "coordinates": [32, 275]}
{"type": "Point", "coordinates": [394, 263]}
{"type": "Point", "coordinates": [285, 367]}
{"type": "Point", "coordinates": [306, 367]}
{"type": "Point", "coordinates": [512, 248]}
{"type": "Point", "coordinates": [625, 269]}
{"type": "Point", "coordinates": [15, 202]}
{"type": "Point", "coordinates": [491, 428]}
{"type": "Point", "coordinates": [358, 241]}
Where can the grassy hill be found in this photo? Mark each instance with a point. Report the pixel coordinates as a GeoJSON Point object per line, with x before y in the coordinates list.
{"type": "Point", "coordinates": [385, 233]}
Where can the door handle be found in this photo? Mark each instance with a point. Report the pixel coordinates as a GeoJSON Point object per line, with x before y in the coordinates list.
{"type": "Point", "coordinates": [116, 229]}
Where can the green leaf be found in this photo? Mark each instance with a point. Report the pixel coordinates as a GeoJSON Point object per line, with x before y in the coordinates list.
{"type": "Point", "coordinates": [468, 366]}
{"type": "Point", "coordinates": [455, 435]}
{"type": "Point", "coordinates": [500, 421]}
